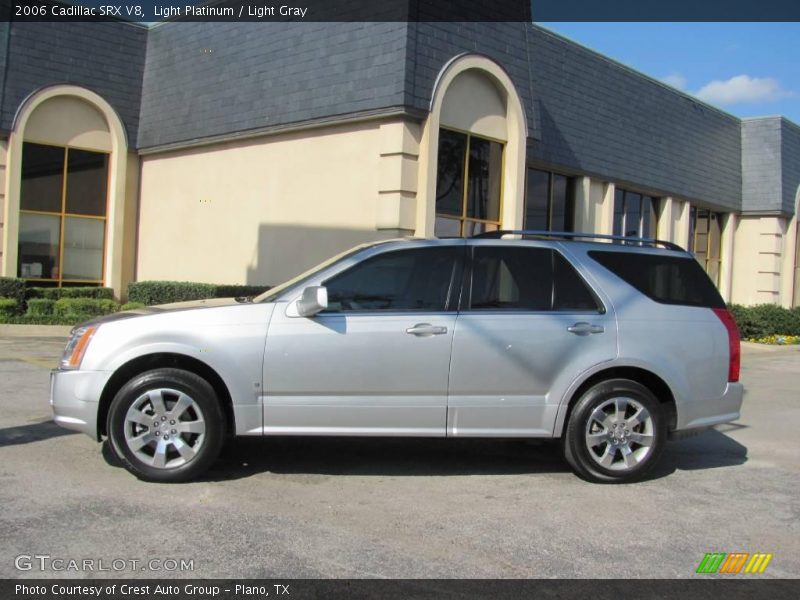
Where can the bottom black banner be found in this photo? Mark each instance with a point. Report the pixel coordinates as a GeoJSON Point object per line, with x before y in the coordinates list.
{"type": "Point", "coordinates": [334, 589]}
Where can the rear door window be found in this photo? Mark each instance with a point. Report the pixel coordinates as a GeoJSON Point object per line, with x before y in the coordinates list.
{"type": "Point", "coordinates": [525, 278]}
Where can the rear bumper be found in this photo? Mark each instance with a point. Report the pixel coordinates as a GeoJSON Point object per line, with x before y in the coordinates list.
{"type": "Point", "coordinates": [74, 398]}
{"type": "Point", "coordinates": [701, 414]}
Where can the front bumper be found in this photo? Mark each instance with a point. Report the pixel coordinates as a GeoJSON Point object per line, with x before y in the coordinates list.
{"type": "Point", "coordinates": [701, 414]}
{"type": "Point", "coordinates": [75, 399]}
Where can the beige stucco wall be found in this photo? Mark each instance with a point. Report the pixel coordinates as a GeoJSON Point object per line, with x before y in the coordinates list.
{"type": "Point", "coordinates": [757, 270]}
{"type": "Point", "coordinates": [3, 157]}
{"type": "Point", "coordinates": [790, 280]}
{"type": "Point", "coordinates": [262, 210]}
{"type": "Point", "coordinates": [594, 206]}
{"type": "Point", "coordinates": [69, 121]}
{"type": "Point", "coordinates": [473, 103]}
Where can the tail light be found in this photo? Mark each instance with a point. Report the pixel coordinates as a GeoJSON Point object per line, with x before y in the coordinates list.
{"type": "Point", "coordinates": [734, 345]}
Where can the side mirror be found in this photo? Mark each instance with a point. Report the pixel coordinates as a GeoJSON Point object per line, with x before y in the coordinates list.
{"type": "Point", "coordinates": [313, 300]}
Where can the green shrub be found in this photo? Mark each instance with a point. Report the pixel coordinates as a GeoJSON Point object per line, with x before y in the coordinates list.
{"type": "Point", "coordinates": [36, 320]}
{"type": "Point", "coordinates": [40, 307]}
{"type": "Point", "coordinates": [777, 320]}
{"type": "Point", "coordinates": [747, 325]}
{"type": "Point", "coordinates": [166, 292]}
{"type": "Point", "coordinates": [132, 306]}
{"type": "Point", "coordinates": [12, 287]}
{"type": "Point", "coordinates": [765, 320]}
{"type": "Point", "coordinates": [52, 293]}
{"type": "Point", "coordinates": [82, 309]}
{"type": "Point", "coordinates": [9, 307]}
{"type": "Point", "coordinates": [236, 291]}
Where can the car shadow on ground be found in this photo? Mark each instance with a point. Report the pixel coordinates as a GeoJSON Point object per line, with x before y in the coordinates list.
{"type": "Point", "coordinates": [245, 457]}
{"type": "Point", "coordinates": [709, 450]}
{"type": "Point", "coordinates": [33, 432]}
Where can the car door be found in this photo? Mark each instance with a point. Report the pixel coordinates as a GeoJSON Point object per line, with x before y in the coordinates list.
{"type": "Point", "coordinates": [376, 362]}
{"type": "Point", "coordinates": [529, 325]}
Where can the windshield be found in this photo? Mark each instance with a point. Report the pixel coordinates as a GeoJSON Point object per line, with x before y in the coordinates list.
{"type": "Point", "coordinates": [272, 293]}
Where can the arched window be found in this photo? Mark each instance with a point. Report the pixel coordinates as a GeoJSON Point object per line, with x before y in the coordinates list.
{"type": "Point", "coordinates": [65, 191]}
{"type": "Point", "coordinates": [472, 175]}
{"type": "Point", "coordinates": [63, 212]}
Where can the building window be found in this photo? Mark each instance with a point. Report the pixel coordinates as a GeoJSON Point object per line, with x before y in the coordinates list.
{"type": "Point", "coordinates": [63, 209]}
{"type": "Point", "coordinates": [634, 214]}
{"type": "Point", "coordinates": [705, 240]}
{"type": "Point", "coordinates": [468, 184]}
{"type": "Point", "coordinates": [549, 201]}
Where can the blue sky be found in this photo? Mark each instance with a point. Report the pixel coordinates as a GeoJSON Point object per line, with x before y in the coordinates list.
{"type": "Point", "coordinates": [746, 69]}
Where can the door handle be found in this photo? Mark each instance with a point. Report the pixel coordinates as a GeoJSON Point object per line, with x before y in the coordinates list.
{"type": "Point", "coordinates": [426, 329]}
{"type": "Point", "coordinates": [584, 328]}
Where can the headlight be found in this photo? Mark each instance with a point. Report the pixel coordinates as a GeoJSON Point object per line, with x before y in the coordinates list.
{"type": "Point", "coordinates": [76, 348]}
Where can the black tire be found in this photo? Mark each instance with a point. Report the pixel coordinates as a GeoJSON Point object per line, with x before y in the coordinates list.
{"type": "Point", "coordinates": [614, 442]}
{"type": "Point", "coordinates": [204, 412]}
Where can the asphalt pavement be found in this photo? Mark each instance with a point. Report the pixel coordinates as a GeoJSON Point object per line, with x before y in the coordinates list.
{"type": "Point", "coordinates": [363, 508]}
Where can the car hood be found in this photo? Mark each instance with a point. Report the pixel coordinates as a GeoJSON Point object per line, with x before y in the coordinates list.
{"type": "Point", "coordinates": [164, 308]}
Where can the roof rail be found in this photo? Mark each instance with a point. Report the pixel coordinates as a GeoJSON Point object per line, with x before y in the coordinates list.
{"type": "Point", "coordinates": [569, 235]}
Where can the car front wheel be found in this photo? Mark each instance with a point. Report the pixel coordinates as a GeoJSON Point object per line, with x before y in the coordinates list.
{"type": "Point", "coordinates": [616, 432]}
{"type": "Point", "coordinates": [166, 425]}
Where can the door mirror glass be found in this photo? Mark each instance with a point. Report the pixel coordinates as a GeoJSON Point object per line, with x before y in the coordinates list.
{"type": "Point", "coordinates": [313, 301]}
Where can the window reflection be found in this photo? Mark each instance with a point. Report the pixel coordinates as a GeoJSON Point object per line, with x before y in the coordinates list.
{"type": "Point", "coordinates": [634, 214]}
{"type": "Point", "coordinates": [63, 197]}
{"type": "Point", "coordinates": [705, 240]}
{"type": "Point", "coordinates": [468, 184]}
{"type": "Point", "coordinates": [549, 202]}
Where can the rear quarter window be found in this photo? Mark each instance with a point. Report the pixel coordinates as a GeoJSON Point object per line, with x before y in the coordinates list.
{"type": "Point", "coordinates": [663, 278]}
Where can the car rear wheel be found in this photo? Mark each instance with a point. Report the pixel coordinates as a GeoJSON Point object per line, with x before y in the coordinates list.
{"type": "Point", "coordinates": [616, 432]}
{"type": "Point", "coordinates": [166, 425]}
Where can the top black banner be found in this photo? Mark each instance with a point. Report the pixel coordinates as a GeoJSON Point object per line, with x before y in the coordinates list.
{"type": "Point", "coordinates": [150, 12]}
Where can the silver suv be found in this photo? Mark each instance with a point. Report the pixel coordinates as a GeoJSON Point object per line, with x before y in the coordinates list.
{"type": "Point", "coordinates": [611, 345]}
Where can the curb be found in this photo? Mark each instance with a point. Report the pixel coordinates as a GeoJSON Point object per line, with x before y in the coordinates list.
{"type": "Point", "coordinates": [35, 331]}
{"type": "Point", "coordinates": [754, 348]}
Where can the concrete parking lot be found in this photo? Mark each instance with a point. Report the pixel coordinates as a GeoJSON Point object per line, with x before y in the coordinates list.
{"type": "Point", "coordinates": [400, 508]}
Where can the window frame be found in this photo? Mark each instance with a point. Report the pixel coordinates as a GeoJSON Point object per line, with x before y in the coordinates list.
{"type": "Point", "coordinates": [654, 213]}
{"type": "Point", "coordinates": [63, 214]}
{"type": "Point", "coordinates": [469, 273]}
{"type": "Point", "coordinates": [453, 289]}
{"type": "Point", "coordinates": [569, 208]}
{"type": "Point", "coordinates": [707, 259]}
{"type": "Point", "coordinates": [463, 219]}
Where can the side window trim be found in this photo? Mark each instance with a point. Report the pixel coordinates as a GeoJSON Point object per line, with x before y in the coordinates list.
{"type": "Point", "coordinates": [465, 304]}
{"type": "Point", "coordinates": [601, 307]}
